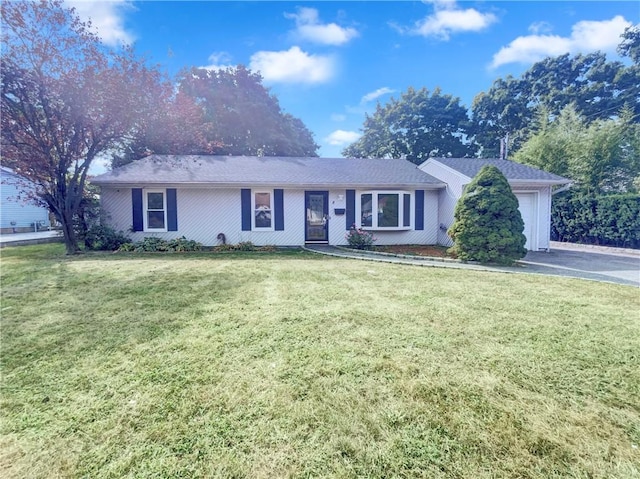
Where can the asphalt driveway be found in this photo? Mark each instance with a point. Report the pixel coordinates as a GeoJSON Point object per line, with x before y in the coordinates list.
{"type": "Point", "coordinates": [597, 265]}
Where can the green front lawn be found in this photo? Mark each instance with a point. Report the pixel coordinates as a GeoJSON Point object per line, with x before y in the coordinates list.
{"type": "Point", "coordinates": [295, 365]}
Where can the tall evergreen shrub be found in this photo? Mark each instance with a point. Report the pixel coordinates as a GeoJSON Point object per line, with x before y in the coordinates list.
{"type": "Point", "coordinates": [488, 226]}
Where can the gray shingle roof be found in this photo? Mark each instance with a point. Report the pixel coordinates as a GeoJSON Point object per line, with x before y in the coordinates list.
{"type": "Point", "coordinates": [268, 171]}
{"type": "Point", "coordinates": [510, 169]}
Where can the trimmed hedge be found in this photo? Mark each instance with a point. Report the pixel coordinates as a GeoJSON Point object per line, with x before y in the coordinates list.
{"type": "Point", "coordinates": [608, 220]}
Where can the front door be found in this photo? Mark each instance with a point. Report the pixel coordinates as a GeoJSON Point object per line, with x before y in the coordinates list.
{"type": "Point", "coordinates": [316, 205]}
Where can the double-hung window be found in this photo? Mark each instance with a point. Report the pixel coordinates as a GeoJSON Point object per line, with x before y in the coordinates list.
{"type": "Point", "coordinates": [155, 210]}
{"type": "Point", "coordinates": [262, 210]}
{"type": "Point", "coordinates": [385, 210]}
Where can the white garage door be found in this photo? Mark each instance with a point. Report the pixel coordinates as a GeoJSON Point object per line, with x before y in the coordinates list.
{"type": "Point", "coordinates": [527, 207]}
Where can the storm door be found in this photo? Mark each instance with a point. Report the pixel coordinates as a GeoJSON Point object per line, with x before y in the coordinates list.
{"type": "Point", "coordinates": [317, 222]}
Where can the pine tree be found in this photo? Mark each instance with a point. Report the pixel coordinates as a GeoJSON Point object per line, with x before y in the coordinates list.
{"type": "Point", "coordinates": [488, 226]}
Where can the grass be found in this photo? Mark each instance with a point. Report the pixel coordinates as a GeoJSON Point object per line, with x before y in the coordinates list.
{"type": "Point", "coordinates": [293, 365]}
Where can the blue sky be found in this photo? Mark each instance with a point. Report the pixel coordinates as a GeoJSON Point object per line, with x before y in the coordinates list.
{"type": "Point", "coordinates": [330, 62]}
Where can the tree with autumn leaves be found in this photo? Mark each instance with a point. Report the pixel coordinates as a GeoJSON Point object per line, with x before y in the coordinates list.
{"type": "Point", "coordinates": [221, 112]}
{"type": "Point", "coordinates": [244, 118]}
{"type": "Point", "coordinates": [67, 99]}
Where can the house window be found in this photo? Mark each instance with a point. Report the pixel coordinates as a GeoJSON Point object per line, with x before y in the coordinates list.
{"type": "Point", "coordinates": [155, 210]}
{"type": "Point", "coordinates": [366, 207]}
{"type": "Point", "coordinates": [385, 210]}
{"type": "Point", "coordinates": [388, 210]}
{"type": "Point", "coordinates": [262, 210]}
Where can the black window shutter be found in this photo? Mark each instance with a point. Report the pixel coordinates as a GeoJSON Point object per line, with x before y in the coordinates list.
{"type": "Point", "coordinates": [406, 210]}
{"type": "Point", "coordinates": [278, 202]}
{"type": "Point", "coordinates": [136, 202]}
{"type": "Point", "coordinates": [419, 210]}
{"type": "Point", "coordinates": [172, 210]}
{"type": "Point", "coordinates": [245, 207]}
{"type": "Point", "coordinates": [351, 208]}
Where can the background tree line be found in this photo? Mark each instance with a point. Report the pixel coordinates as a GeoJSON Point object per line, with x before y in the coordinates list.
{"type": "Point", "coordinates": [573, 115]}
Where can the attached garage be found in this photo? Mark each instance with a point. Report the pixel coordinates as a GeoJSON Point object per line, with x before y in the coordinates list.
{"type": "Point", "coordinates": [532, 187]}
{"type": "Point", "coordinates": [527, 205]}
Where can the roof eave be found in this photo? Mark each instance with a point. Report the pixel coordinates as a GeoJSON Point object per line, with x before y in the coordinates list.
{"type": "Point", "coordinates": [533, 182]}
{"type": "Point", "coordinates": [359, 186]}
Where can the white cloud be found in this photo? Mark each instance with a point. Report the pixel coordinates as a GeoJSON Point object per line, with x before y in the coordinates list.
{"type": "Point", "coordinates": [342, 137]}
{"type": "Point", "coordinates": [604, 35]}
{"type": "Point", "coordinates": [448, 18]}
{"type": "Point", "coordinates": [218, 61]}
{"type": "Point", "coordinates": [586, 36]}
{"type": "Point", "coordinates": [376, 94]}
{"type": "Point", "coordinates": [442, 4]}
{"type": "Point", "coordinates": [308, 27]}
{"type": "Point", "coordinates": [538, 28]}
{"type": "Point", "coordinates": [292, 66]}
{"type": "Point", "coordinates": [107, 19]}
{"type": "Point", "coordinates": [338, 117]}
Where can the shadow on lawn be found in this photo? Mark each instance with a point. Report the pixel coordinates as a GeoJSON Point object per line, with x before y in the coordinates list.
{"type": "Point", "coordinates": [75, 308]}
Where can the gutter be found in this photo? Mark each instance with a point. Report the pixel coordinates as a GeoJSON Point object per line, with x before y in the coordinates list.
{"type": "Point", "coordinates": [561, 189]}
{"type": "Point", "coordinates": [169, 184]}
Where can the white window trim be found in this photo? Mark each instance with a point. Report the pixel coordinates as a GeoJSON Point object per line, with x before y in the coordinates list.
{"type": "Point", "coordinates": [374, 201]}
{"type": "Point", "coordinates": [145, 210]}
{"type": "Point", "coordinates": [253, 211]}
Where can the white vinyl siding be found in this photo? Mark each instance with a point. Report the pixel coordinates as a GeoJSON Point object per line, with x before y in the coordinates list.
{"type": "Point", "coordinates": [203, 213]}
{"type": "Point", "coordinates": [17, 211]}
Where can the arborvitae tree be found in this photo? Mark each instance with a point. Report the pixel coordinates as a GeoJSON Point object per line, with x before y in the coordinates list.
{"type": "Point", "coordinates": [488, 226]}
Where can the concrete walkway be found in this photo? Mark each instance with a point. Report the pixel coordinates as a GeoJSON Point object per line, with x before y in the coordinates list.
{"type": "Point", "coordinates": [584, 264]}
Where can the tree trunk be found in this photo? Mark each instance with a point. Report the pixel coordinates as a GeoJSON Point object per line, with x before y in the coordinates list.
{"type": "Point", "coordinates": [70, 242]}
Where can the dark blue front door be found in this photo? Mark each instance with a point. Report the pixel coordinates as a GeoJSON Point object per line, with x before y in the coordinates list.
{"type": "Point", "coordinates": [316, 206]}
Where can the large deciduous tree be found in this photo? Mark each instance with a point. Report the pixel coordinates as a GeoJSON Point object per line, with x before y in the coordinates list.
{"type": "Point", "coordinates": [66, 99]}
{"type": "Point", "coordinates": [173, 125]}
{"type": "Point", "coordinates": [598, 88]}
{"type": "Point", "coordinates": [417, 126]}
{"type": "Point", "coordinates": [242, 117]}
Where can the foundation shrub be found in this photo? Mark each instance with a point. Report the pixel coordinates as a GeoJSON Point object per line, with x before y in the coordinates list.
{"type": "Point", "coordinates": [488, 226]}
